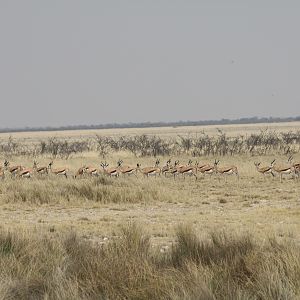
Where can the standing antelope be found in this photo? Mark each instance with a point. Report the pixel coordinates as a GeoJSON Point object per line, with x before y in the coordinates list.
{"type": "Point", "coordinates": [149, 171]}
{"type": "Point", "coordinates": [201, 166]}
{"type": "Point", "coordinates": [14, 170]}
{"type": "Point", "coordinates": [174, 170]}
{"type": "Point", "coordinates": [111, 171]}
{"type": "Point", "coordinates": [180, 169]}
{"type": "Point", "coordinates": [39, 170]}
{"type": "Point", "coordinates": [284, 170]}
{"type": "Point", "coordinates": [206, 169]}
{"type": "Point", "coordinates": [231, 170]}
{"type": "Point", "coordinates": [265, 170]}
{"type": "Point", "coordinates": [189, 170]}
{"type": "Point", "coordinates": [58, 172]}
{"type": "Point", "coordinates": [166, 169]}
{"type": "Point", "coordinates": [126, 170]}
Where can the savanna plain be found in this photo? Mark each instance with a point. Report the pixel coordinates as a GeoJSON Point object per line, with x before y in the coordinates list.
{"type": "Point", "coordinates": [208, 236]}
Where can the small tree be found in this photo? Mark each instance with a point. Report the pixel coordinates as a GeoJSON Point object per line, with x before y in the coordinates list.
{"type": "Point", "coordinates": [102, 145]}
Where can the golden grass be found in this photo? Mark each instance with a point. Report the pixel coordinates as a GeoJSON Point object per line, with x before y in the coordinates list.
{"type": "Point", "coordinates": [40, 212]}
{"type": "Point", "coordinates": [222, 266]}
{"type": "Point", "coordinates": [263, 204]}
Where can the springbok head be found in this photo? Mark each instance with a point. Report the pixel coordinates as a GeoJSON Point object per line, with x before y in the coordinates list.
{"type": "Point", "coordinates": [104, 165]}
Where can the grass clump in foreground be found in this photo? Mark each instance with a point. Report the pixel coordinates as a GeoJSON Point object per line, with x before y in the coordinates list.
{"type": "Point", "coordinates": [222, 267]}
{"type": "Point", "coordinates": [102, 190]}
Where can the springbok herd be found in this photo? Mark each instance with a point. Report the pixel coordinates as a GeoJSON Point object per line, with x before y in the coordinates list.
{"type": "Point", "coordinates": [172, 170]}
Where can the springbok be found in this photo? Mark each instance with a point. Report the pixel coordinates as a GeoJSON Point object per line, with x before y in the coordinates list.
{"type": "Point", "coordinates": [39, 170]}
{"type": "Point", "coordinates": [111, 171]}
{"type": "Point", "coordinates": [80, 172]}
{"type": "Point", "coordinates": [189, 170]}
{"type": "Point", "coordinates": [284, 170]}
{"type": "Point", "coordinates": [206, 169]}
{"type": "Point", "coordinates": [126, 170]}
{"type": "Point", "coordinates": [149, 171]}
{"type": "Point", "coordinates": [265, 170]}
{"type": "Point", "coordinates": [166, 169]}
{"type": "Point", "coordinates": [91, 171]}
{"type": "Point", "coordinates": [58, 172]}
{"type": "Point", "coordinates": [177, 168]}
{"type": "Point", "coordinates": [25, 173]}
{"type": "Point", "coordinates": [14, 170]}
{"type": "Point", "coordinates": [200, 166]}
{"type": "Point", "coordinates": [230, 170]}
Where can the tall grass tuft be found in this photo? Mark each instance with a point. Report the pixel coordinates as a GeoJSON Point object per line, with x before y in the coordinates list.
{"type": "Point", "coordinates": [224, 266]}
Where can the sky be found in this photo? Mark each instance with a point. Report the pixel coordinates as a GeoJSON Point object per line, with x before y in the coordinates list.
{"type": "Point", "coordinates": [70, 62]}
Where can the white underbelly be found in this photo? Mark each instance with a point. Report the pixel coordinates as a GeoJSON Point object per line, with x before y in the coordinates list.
{"type": "Point", "coordinates": [230, 172]}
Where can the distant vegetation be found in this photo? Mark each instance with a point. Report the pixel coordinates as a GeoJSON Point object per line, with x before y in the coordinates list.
{"type": "Point", "coordinates": [265, 142]}
{"type": "Point", "coordinates": [251, 120]}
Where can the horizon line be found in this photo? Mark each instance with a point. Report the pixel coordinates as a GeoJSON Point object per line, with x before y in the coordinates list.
{"type": "Point", "coordinates": [149, 124]}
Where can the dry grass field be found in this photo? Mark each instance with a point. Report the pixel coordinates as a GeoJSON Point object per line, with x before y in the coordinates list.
{"type": "Point", "coordinates": [211, 238]}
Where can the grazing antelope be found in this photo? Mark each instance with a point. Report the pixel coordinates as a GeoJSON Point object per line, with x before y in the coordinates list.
{"type": "Point", "coordinates": [111, 171]}
{"type": "Point", "coordinates": [265, 170]}
{"type": "Point", "coordinates": [231, 170]}
{"type": "Point", "coordinates": [91, 171]}
{"type": "Point", "coordinates": [14, 170]}
{"type": "Point", "coordinates": [39, 170]}
{"type": "Point", "coordinates": [58, 172]}
{"type": "Point", "coordinates": [80, 172]}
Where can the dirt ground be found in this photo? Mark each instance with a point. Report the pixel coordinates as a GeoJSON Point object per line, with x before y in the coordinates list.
{"type": "Point", "coordinates": [273, 209]}
{"type": "Point", "coordinates": [262, 206]}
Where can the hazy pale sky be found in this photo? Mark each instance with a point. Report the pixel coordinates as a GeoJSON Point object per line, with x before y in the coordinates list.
{"type": "Point", "coordinates": [66, 62]}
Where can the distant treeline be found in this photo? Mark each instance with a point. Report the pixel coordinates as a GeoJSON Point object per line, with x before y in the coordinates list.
{"type": "Point", "coordinates": [251, 120]}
